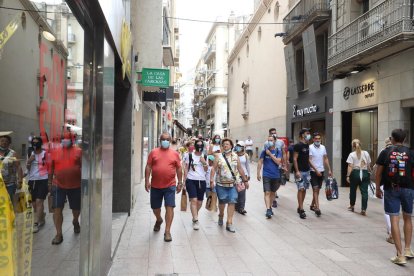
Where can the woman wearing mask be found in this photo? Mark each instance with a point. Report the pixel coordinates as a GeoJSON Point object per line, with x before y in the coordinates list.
{"type": "Point", "coordinates": [195, 168]}
{"type": "Point", "coordinates": [228, 170]}
{"type": "Point", "coordinates": [244, 162]}
{"type": "Point", "coordinates": [215, 145]}
{"type": "Point", "coordinates": [37, 167]}
{"type": "Point", "coordinates": [358, 175]}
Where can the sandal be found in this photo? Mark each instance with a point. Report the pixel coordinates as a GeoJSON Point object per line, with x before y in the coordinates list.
{"type": "Point", "coordinates": [363, 212]}
{"type": "Point", "coordinates": [243, 212]}
{"type": "Point", "coordinates": [76, 227]}
{"type": "Point", "coordinates": [57, 240]}
{"type": "Point", "coordinates": [157, 225]}
{"type": "Point", "coordinates": [351, 208]}
{"type": "Point", "coordinates": [312, 208]}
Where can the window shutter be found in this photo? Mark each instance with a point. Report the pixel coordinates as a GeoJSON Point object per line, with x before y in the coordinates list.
{"type": "Point", "coordinates": [311, 60]}
{"type": "Point", "coordinates": [292, 88]}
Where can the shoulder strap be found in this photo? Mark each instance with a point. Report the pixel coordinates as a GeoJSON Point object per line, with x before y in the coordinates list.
{"type": "Point", "coordinates": [190, 160]}
{"type": "Point", "coordinates": [228, 165]}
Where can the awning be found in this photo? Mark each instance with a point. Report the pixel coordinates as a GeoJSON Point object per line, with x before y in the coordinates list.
{"type": "Point", "coordinates": [180, 126]}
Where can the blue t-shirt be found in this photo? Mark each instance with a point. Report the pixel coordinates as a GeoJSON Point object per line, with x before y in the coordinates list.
{"type": "Point", "coordinates": [270, 168]}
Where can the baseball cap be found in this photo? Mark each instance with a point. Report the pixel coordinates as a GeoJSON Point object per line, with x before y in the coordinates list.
{"type": "Point", "coordinates": [210, 157]}
{"type": "Point", "coordinates": [240, 143]}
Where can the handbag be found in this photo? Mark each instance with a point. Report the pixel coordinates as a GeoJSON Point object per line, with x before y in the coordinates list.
{"type": "Point", "coordinates": [331, 189]}
{"type": "Point", "coordinates": [239, 185]}
{"type": "Point", "coordinates": [184, 201]}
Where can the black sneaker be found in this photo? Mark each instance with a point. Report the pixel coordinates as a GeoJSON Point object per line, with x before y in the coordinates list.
{"type": "Point", "coordinates": [302, 214]}
{"type": "Point", "coordinates": [269, 213]}
{"type": "Point", "coordinates": [274, 204]}
{"type": "Point", "coordinates": [318, 212]}
{"type": "Point", "coordinates": [298, 210]}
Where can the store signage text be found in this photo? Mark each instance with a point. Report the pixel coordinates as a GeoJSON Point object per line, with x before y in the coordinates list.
{"type": "Point", "coordinates": [301, 112]}
{"type": "Point", "coordinates": [155, 77]}
{"type": "Point", "coordinates": [361, 89]}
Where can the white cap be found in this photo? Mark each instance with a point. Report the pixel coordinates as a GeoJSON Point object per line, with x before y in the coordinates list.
{"type": "Point", "coordinates": [240, 143]}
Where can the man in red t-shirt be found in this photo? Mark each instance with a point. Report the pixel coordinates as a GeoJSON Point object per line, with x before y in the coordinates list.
{"type": "Point", "coordinates": [66, 178]}
{"type": "Point", "coordinates": [163, 165]}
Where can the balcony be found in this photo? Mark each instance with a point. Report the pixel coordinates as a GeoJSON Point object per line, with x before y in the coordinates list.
{"type": "Point", "coordinates": [213, 92]}
{"type": "Point", "coordinates": [211, 51]}
{"type": "Point", "coordinates": [303, 15]}
{"type": "Point", "coordinates": [71, 38]}
{"type": "Point", "coordinates": [384, 30]}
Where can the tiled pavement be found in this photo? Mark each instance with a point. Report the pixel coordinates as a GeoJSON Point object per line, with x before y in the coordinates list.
{"type": "Point", "coordinates": [337, 243]}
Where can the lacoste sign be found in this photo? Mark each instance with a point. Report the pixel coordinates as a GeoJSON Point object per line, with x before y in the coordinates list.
{"type": "Point", "coordinates": [361, 89]}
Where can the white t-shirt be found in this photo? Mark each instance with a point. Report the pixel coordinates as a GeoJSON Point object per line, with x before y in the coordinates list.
{"type": "Point", "coordinates": [38, 172]}
{"type": "Point", "coordinates": [353, 159]}
{"type": "Point", "coordinates": [216, 148]}
{"type": "Point", "coordinates": [317, 154]}
{"type": "Point", "coordinates": [198, 173]}
{"type": "Point", "coordinates": [245, 164]}
{"type": "Point", "coordinates": [249, 144]}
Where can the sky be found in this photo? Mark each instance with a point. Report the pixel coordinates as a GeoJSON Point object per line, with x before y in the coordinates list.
{"type": "Point", "coordinates": [193, 34]}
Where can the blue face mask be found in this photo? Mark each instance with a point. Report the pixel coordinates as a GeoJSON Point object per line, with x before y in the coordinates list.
{"type": "Point", "coordinates": [238, 149]}
{"type": "Point", "coordinates": [270, 144]}
{"type": "Point", "coordinates": [217, 141]}
{"type": "Point", "coordinates": [317, 143]}
{"type": "Point", "coordinates": [3, 149]}
{"type": "Point", "coordinates": [308, 137]}
{"type": "Point", "coordinates": [165, 144]}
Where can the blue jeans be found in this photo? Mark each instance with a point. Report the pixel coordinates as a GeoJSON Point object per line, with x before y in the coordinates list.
{"type": "Point", "coordinates": [11, 189]}
{"type": "Point", "coordinates": [395, 198]}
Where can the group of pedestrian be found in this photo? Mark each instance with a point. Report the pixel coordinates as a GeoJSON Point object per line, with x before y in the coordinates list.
{"type": "Point", "coordinates": [50, 169]}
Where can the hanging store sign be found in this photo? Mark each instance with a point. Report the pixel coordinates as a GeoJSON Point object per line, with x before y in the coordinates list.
{"type": "Point", "coordinates": [367, 89]}
{"type": "Point", "coordinates": [308, 108]}
{"type": "Point", "coordinates": [155, 77]}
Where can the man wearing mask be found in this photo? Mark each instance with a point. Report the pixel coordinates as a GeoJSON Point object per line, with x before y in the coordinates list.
{"type": "Point", "coordinates": [11, 171]}
{"type": "Point", "coordinates": [270, 158]}
{"type": "Point", "coordinates": [163, 165]}
{"type": "Point", "coordinates": [195, 179]}
{"type": "Point", "coordinates": [65, 175]}
{"type": "Point", "coordinates": [318, 159]}
{"type": "Point", "coordinates": [280, 145]}
{"type": "Point", "coordinates": [302, 168]}
{"type": "Point", "coordinates": [249, 147]}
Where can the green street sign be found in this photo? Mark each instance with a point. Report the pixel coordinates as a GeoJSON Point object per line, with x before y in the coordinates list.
{"type": "Point", "coordinates": [155, 77]}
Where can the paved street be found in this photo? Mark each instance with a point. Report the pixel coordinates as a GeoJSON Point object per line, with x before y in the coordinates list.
{"type": "Point", "coordinates": [338, 243]}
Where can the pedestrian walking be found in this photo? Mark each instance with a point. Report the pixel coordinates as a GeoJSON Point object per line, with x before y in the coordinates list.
{"type": "Point", "coordinates": [302, 168]}
{"type": "Point", "coordinates": [291, 168]}
{"type": "Point", "coordinates": [386, 216]}
{"type": "Point", "coordinates": [271, 160]}
{"type": "Point", "coordinates": [37, 167]}
{"type": "Point", "coordinates": [195, 180]}
{"type": "Point", "coordinates": [209, 177]}
{"type": "Point", "coordinates": [244, 162]}
{"type": "Point", "coordinates": [394, 170]}
{"type": "Point", "coordinates": [228, 170]}
{"type": "Point", "coordinates": [163, 165]}
{"type": "Point", "coordinates": [318, 159]}
{"type": "Point", "coordinates": [65, 177]}
{"type": "Point", "coordinates": [215, 146]}
{"type": "Point", "coordinates": [359, 163]}
{"type": "Point", "coordinates": [11, 170]}
{"type": "Point", "coordinates": [249, 147]}
{"type": "Point", "coordinates": [279, 144]}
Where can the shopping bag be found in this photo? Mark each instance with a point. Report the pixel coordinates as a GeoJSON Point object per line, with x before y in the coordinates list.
{"type": "Point", "coordinates": [283, 177]}
{"type": "Point", "coordinates": [183, 200]}
{"type": "Point", "coordinates": [211, 203]}
{"type": "Point", "coordinates": [372, 190]}
{"type": "Point", "coordinates": [331, 189]}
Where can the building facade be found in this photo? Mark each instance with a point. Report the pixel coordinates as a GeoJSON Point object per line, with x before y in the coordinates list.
{"type": "Point", "coordinates": [371, 56]}
{"type": "Point", "coordinates": [310, 88]}
{"type": "Point", "coordinates": [257, 81]}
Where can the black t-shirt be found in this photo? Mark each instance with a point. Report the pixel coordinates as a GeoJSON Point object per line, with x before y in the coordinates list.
{"type": "Point", "coordinates": [290, 149]}
{"type": "Point", "coordinates": [384, 160]}
{"type": "Point", "coordinates": [303, 156]}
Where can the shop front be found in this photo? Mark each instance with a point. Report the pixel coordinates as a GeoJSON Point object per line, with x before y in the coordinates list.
{"type": "Point", "coordinates": [312, 111]}
{"type": "Point", "coordinates": [368, 105]}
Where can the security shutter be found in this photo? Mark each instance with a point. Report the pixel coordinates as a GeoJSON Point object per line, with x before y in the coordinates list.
{"type": "Point", "coordinates": [291, 72]}
{"type": "Point", "coordinates": [311, 59]}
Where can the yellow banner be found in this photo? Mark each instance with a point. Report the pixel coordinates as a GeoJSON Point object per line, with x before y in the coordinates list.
{"type": "Point", "coordinates": [24, 231]}
{"type": "Point", "coordinates": [10, 30]}
{"type": "Point", "coordinates": [7, 262]}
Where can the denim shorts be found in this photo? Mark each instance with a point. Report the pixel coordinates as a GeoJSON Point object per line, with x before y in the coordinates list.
{"type": "Point", "coordinates": [271, 184]}
{"type": "Point", "coordinates": [227, 194]}
{"type": "Point", "coordinates": [393, 199]}
{"type": "Point", "coordinates": [73, 195]}
{"type": "Point", "coordinates": [304, 182]}
{"type": "Point", "coordinates": [195, 189]}
{"type": "Point", "coordinates": [157, 195]}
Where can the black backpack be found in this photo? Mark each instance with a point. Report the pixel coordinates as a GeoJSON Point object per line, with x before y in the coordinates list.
{"type": "Point", "coordinates": [399, 167]}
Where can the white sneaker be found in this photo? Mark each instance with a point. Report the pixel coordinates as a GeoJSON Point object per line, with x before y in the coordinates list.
{"type": "Point", "coordinates": [196, 225]}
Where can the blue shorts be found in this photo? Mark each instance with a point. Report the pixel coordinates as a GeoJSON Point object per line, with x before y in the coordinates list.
{"type": "Point", "coordinates": [156, 196]}
{"type": "Point", "coordinates": [393, 199]}
{"type": "Point", "coordinates": [73, 195]}
{"type": "Point", "coordinates": [195, 189]}
{"type": "Point", "coordinates": [305, 181]}
{"type": "Point", "coordinates": [227, 194]}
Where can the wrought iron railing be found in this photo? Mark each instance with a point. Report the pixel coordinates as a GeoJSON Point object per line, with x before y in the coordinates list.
{"type": "Point", "coordinates": [301, 12]}
{"type": "Point", "coordinates": [380, 24]}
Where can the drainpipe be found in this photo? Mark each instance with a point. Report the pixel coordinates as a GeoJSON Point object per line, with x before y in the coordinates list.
{"type": "Point", "coordinates": [411, 9]}
{"type": "Point", "coordinates": [334, 4]}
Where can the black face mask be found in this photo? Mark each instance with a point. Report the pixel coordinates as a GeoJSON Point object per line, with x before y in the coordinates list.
{"type": "Point", "coordinates": [37, 145]}
{"type": "Point", "coordinates": [199, 147]}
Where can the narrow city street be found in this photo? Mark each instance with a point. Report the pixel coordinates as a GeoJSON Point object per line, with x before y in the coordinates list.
{"type": "Point", "coordinates": [337, 243]}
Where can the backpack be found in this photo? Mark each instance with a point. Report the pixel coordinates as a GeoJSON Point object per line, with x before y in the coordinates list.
{"type": "Point", "coordinates": [398, 167]}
